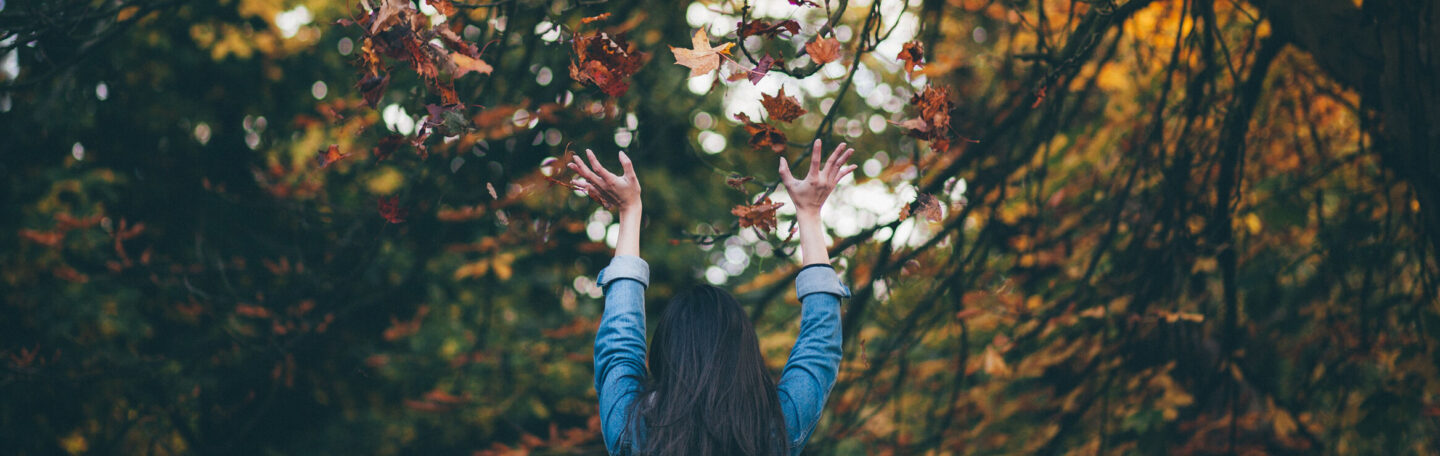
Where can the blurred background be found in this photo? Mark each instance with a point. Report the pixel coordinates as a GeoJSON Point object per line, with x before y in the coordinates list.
{"type": "Point", "coordinates": [1079, 227]}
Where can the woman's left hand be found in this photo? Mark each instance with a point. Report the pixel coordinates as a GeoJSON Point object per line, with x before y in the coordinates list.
{"type": "Point", "coordinates": [620, 192]}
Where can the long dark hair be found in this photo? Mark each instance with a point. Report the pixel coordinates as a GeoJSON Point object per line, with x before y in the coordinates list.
{"type": "Point", "coordinates": [709, 392]}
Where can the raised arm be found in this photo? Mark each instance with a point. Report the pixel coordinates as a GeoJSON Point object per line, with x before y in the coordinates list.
{"type": "Point", "coordinates": [815, 360]}
{"type": "Point", "coordinates": [620, 341]}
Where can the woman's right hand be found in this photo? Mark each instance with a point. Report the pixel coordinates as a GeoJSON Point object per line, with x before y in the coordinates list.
{"type": "Point", "coordinates": [620, 192]}
{"type": "Point", "coordinates": [809, 194]}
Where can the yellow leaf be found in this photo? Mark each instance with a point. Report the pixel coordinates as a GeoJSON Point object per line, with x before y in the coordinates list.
{"type": "Point", "coordinates": [993, 364]}
{"type": "Point", "coordinates": [465, 64]}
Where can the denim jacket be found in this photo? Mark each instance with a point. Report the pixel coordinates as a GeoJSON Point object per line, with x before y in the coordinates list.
{"type": "Point", "coordinates": [620, 350]}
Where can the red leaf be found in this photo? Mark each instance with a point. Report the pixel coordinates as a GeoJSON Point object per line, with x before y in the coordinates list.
{"type": "Point", "coordinates": [391, 210]}
{"type": "Point", "coordinates": [388, 145]}
{"type": "Point", "coordinates": [595, 18]}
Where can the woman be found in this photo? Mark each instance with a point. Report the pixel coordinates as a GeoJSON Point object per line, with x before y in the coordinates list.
{"type": "Point", "coordinates": [708, 392]}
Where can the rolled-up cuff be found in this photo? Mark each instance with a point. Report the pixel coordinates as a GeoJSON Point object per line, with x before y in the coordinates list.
{"type": "Point", "coordinates": [819, 279]}
{"type": "Point", "coordinates": [625, 267]}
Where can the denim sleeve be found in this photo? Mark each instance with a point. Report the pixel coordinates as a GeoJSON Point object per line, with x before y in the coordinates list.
{"type": "Point", "coordinates": [815, 359]}
{"type": "Point", "coordinates": [620, 343]}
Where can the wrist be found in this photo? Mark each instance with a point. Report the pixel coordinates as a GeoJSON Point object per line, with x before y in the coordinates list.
{"type": "Point", "coordinates": [807, 213]}
{"type": "Point", "coordinates": [631, 209]}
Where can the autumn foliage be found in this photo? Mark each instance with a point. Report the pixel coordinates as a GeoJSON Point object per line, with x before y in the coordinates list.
{"type": "Point", "coordinates": [345, 227]}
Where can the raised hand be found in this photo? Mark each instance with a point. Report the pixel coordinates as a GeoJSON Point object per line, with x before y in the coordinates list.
{"type": "Point", "coordinates": [809, 194]}
{"type": "Point", "coordinates": [619, 192]}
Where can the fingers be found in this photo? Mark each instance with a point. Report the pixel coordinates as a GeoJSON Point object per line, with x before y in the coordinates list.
{"type": "Point", "coordinates": [814, 161]}
{"type": "Point", "coordinates": [785, 175]}
{"type": "Point", "coordinates": [846, 170]}
{"type": "Point", "coordinates": [595, 164]}
{"type": "Point", "coordinates": [837, 161]}
{"type": "Point", "coordinates": [628, 167]}
{"type": "Point", "coordinates": [582, 170]}
{"type": "Point", "coordinates": [830, 162]}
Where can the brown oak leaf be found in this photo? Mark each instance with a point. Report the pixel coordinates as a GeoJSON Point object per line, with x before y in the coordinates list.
{"type": "Point", "coordinates": [763, 135]}
{"type": "Point", "coordinates": [762, 27]}
{"type": "Point", "coordinates": [737, 182]}
{"type": "Point", "coordinates": [781, 107]}
{"type": "Point", "coordinates": [913, 54]}
{"type": "Point", "coordinates": [605, 61]}
{"type": "Point", "coordinates": [925, 205]}
{"type": "Point", "coordinates": [933, 122]}
{"type": "Point", "coordinates": [760, 215]}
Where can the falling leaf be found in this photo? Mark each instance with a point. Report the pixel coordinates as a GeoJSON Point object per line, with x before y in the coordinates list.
{"type": "Point", "coordinates": [373, 87]}
{"type": "Point", "coordinates": [760, 215]}
{"type": "Point", "coordinates": [933, 122]}
{"type": "Point", "coordinates": [330, 155]}
{"type": "Point", "coordinates": [702, 58]}
{"type": "Point", "coordinates": [993, 364]}
{"type": "Point", "coordinates": [1039, 97]}
{"type": "Point", "coordinates": [389, 14]}
{"type": "Point", "coordinates": [391, 210]}
{"type": "Point", "coordinates": [443, 6]}
{"type": "Point", "coordinates": [761, 68]}
{"type": "Point", "coordinates": [605, 61]}
{"type": "Point", "coordinates": [967, 313]}
{"type": "Point", "coordinates": [761, 27]}
{"type": "Point", "coordinates": [823, 50]}
{"type": "Point", "coordinates": [781, 107]}
{"type": "Point", "coordinates": [596, 18]}
{"type": "Point", "coordinates": [913, 54]}
{"type": "Point", "coordinates": [737, 182]}
{"type": "Point", "coordinates": [925, 205]}
{"type": "Point", "coordinates": [447, 120]}
{"type": "Point", "coordinates": [387, 146]}
{"type": "Point", "coordinates": [763, 135]}
{"type": "Point", "coordinates": [465, 64]}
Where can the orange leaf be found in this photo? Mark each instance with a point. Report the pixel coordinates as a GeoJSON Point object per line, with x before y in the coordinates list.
{"type": "Point", "coordinates": [465, 64]}
{"type": "Point", "coordinates": [330, 155]}
{"type": "Point", "coordinates": [913, 54]}
{"type": "Point", "coordinates": [823, 50]}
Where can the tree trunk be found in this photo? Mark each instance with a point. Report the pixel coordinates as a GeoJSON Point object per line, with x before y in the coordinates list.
{"type": "Point", "coordinates": [1389, 51]}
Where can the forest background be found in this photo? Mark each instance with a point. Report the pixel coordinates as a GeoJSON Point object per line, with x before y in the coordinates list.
{"type": "Point", "coordinates": [1080, 227]}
